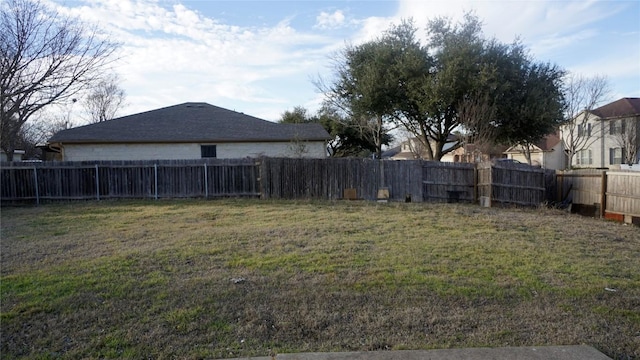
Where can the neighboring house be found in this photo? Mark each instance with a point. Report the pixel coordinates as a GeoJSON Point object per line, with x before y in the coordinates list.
{"type": "Point", "coordinates": [17, 155]}
{"type": "Point", "coordinates": [612, 135]}
{"type": "Point", "coordinates": [189, 131]}
{"type": "Point", "coordinates": [547, 153]}
{"type": "Point", "coordinates": [472, 153]}
{"type": "Point", "coordinates": [413, 149]}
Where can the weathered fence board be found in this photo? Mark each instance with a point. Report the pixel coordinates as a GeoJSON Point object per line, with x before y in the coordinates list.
{"type": "Point", "coordinates": [450, 182]}
{"type": "Point", "coordinates": [583, 189]}
{"type": "Point", "coordinates": [120, 181]}
{"type": "Point", "coordinates": [287, 178]}
{"type": "Point", "coordinates": [605, 193]}
{"type": "Point", "coordinates": [510, 184]}
{"type": "Point", "coordinates": [404, 179]}
{"type": "Point", "coordinates": [623, 193]}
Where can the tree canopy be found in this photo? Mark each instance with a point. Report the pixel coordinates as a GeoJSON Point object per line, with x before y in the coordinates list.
{"type": "Point", "coordinates": [348, 138]}
{"type": "Point", "coordinates": [395, 80]}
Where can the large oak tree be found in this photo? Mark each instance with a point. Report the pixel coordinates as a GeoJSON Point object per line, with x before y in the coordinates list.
{"type": "Point", "coordinates": [428, 88]}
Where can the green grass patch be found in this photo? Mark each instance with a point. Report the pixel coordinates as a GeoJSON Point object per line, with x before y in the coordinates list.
{"type": "Point", "coordinates": [231, 278]}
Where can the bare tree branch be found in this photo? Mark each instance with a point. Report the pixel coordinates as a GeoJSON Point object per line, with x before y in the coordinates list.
{"type": "Point", "coordinates": [46, 59]}
{"type": "Point", "coordinates": [104, 100]}
{"type": "Point", "coordinates": [475, 114]}
{"type": "Point", "coordinates": [628, 139]}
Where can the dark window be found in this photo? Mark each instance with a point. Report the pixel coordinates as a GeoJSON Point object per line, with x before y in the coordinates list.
{"type": "Point", "coordinates": [616, 127]}
{"type": "Point", "coordinates": [584, 157]}
{"type": "Point", "coordinates": [207, 151]}
{"type": "Point", "coordinates": [616, 155]}
{"type": "Point", "coordinates": [582, 132]}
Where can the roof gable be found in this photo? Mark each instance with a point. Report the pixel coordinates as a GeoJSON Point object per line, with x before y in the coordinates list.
{"type": "Point", "coordinates": [619, 108]}
{"type": "Point", "coordinates": [190, 122]}
{"type": "Point", "coordinates": [548, 142]}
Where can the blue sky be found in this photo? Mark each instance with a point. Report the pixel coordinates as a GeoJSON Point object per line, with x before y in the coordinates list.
{"type": "Point", "coordinates": [261, 57]}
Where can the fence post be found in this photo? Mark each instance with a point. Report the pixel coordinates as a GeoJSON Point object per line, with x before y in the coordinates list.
{"type": "Point", "coordinates": [206, 182]}
{"type": "Point", "coordinates": [155, 180]}
{"type": "Point", "coordinates": [475, 183]}
{"type": "Point", "coordinates": [603, 194]}
{"type": "Point", "coordinates": [97, 184]}
{"type": "Point", "coordinates": [35, 181]}
{"type": "Point", "coordinates": [544, 186]}
{"type": "Point", "coordinates": [262, 178]}
{"type": "Point", "coordinates": [559, 186]}
{"type": "Point", "coordinates": [490, 185]}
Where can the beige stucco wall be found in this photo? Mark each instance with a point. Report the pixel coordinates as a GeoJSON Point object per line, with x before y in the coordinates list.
{"type": "Point", "coordinates": [90, 152]}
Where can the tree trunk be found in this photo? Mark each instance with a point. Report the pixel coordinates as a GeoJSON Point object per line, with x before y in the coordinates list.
{"type": "Point", "coordinates": [527, 152]}
{"type": "Point", "coordinates": [9, 154]}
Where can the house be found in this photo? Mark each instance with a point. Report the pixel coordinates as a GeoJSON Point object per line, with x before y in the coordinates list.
{"type": "Point", "coordinates": [608, 136]}
{"type": "Point", "coordinates": [547, 153]}
{"type": "Point", "coordinates": [413, 149]}
{"type": "Point", "coordinates": [474, 153]}
{"type": "Point", "coordinates": [17, 155]}
{"type": "Point", "coordinates": [189, 131]}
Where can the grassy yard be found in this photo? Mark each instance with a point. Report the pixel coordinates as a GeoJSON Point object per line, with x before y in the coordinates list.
{"type": "Point", "coordinates": [228, 278]}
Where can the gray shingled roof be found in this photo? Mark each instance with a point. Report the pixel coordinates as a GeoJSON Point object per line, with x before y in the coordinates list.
{"type": "Point", "coordinates": [189, 122]}
{"type": "Point", "coordinates": [618, 108]}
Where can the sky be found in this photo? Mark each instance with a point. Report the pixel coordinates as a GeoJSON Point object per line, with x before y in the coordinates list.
{"type": "Point", "coordinates": [263, 58]}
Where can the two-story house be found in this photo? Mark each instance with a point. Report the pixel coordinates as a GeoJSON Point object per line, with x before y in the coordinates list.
{"type": "Point", "coordinates": [605, 137]}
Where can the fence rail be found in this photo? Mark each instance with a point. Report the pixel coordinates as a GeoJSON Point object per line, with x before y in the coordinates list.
{"type": "Point", "coordinates": [274, 178]}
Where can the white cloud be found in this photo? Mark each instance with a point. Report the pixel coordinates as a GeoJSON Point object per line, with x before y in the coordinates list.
{"type": "Point", "coordinates": [330, 20]}
{"type": "Point", "coordinates": [554, 42]}
{"type": "Point", "coordinates": [371, 28]}
{"type": "Point", "coordinates": [173, 53]}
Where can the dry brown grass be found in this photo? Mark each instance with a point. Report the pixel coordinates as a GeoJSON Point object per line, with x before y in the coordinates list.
{"type": "Point", "coordinates": [155, 279]}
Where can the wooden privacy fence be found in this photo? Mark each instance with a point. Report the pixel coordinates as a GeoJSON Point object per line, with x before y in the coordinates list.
{"type": "Point", "coordinates": [274, 178]}
{"type": "Point", "coordinates": [510, 184]}
{"type": "Point", "coordinates": [287, 178]}
{"type": "Point", "coordinates": [450, 182]}
{"type": "Point", "coordinates": [128, 179]}
{"type": "Point", "coordinates": [610, 194]}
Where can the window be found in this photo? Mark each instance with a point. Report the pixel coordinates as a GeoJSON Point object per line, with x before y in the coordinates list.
{"type": "Point", "coordinates": [584, 157]}
{"type": "Point", "coordinates": [207, 151]}
{"type": "Point", "coordinates": [582, 128]}
{"type": "Point", "coordinates": [616, 127]}
{"type": "Point", "coordinates": [615, 156]}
